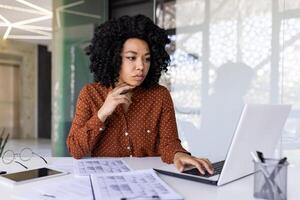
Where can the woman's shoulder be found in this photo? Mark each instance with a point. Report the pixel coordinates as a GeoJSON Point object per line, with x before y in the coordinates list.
{"type": "Point", "coordinates": [93, 88]}
{"type": "Point", "coordinates": [161, 94]}
{"type": "Point", "coordinates": [159, 90]}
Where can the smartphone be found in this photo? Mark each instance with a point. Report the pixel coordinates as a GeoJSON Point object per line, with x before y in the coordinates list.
{"type": "Point", "coordinates": [30, 175]}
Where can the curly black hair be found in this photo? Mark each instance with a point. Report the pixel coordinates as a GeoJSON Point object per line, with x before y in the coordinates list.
{"type": "Point", "coordinates": [107, 43]}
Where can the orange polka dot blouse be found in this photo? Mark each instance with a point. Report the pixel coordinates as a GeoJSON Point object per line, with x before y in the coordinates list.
{"type": "Point", "coordinates": [148, 128]}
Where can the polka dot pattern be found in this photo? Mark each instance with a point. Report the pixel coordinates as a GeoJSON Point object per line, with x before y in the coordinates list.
{"type": "Point", "coordinates": [148, 128]}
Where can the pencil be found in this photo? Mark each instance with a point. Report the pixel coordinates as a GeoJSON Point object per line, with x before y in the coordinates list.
{"type": "Point", "coordinates": [1, 137]}
{"type": "Point", "coordinates": [4, 143]}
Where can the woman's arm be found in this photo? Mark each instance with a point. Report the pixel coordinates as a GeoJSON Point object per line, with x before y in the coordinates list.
{"type": "Point", "coordinates": [86, 127]}
{"type": "Point", "coordinates": [170, 144]}
{"type": "Point", "coordinates": [88, 123]}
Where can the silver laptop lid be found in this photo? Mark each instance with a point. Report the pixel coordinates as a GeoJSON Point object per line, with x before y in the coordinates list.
{"type": "Point", "coordinates": [259, 128]}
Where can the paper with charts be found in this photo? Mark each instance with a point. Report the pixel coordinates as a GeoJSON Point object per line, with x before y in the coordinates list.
{"type": "Point", "coordinates": [141, 184]}
{"type": "Point", "coordinates": [85, 167]}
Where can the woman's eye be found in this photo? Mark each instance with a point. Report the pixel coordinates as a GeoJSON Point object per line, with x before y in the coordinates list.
{"type": "Point", "coordinates": [148, 59]}
{"type": "Point", "coordinates": [131, 58]}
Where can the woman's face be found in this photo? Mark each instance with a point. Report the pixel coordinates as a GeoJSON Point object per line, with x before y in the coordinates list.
{"type": "Point", "coordinates": [135, 62]}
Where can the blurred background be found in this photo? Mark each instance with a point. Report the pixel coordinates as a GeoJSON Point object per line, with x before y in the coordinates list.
{"type": "Point", "coordinates": [225, 53]}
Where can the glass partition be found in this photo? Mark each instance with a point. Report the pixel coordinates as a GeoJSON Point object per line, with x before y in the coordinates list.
{"type": "Point", "coordinates": [225, 54]}
{"type": "Point", "coordinates": [73, 26]}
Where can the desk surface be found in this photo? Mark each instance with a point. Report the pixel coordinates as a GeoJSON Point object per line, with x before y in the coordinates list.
{"type": "Point", "coordinates": [240, 189]}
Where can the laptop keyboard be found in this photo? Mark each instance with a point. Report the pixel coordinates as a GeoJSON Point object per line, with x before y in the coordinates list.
{"type": "Point", "coordinates": [217, 170]}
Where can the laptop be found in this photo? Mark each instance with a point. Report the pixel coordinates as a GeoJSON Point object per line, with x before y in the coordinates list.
{"type": "Point", "coordinates": [259, 129]}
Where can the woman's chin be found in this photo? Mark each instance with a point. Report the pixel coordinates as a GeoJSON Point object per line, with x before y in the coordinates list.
{"type": "Point", "coordinates": [134, 83]}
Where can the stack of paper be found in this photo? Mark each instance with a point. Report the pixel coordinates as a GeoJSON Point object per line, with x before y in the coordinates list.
{"type": "Point", "coordinates": [85, 167]}
{"type": "Point", "coordinates": [109, 179]}
{"type": "Point", "coordinates": [142, 184]}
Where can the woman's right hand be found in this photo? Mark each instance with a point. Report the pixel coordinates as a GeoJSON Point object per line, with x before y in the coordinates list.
{"type": "Point", "coordinates": [115, 97]}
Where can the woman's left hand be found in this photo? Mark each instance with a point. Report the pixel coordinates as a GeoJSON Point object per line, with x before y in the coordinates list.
{"type": "Point", "coordinates": [202, 164]}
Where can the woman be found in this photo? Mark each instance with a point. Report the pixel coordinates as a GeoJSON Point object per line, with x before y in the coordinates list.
{"type": "Point", "coordinates": [126, 112]}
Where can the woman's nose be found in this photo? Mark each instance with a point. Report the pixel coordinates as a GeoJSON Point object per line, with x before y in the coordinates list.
{"type": "Point", "coordinates": [140, 65]}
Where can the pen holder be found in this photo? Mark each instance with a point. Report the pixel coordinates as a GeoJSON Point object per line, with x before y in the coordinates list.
{"type": "Point", "coordinates": [270, 180]}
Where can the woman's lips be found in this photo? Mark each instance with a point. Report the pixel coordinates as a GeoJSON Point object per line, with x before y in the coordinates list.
{"type": "Point", "coordinates": [139, 77]}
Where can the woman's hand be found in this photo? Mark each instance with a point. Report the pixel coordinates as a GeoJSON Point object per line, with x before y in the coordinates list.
{"type": "Point", "coordinates": [115, 97]}
{"type": "Point", "coordinates": [202, 164]}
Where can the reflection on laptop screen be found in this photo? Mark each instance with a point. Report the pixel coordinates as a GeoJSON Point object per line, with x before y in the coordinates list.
{"type": "Point", "coordinates": [259, 128]}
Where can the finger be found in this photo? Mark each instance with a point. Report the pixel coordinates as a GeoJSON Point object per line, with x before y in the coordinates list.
{"type": "Point", "coordinates": [210, 165]}
{"type": "Point", "coordinates": [122, 90]}
{"type": "Point", "coordinates": [118, 87]}
{"type": "Point", "coordinates": [206, 164]}
{"type": "Point", "coordinates": [196, 163]}
{"type": "Point", "coordinates": [124, 97]}
{"type": "Point", "coordinates": [122, 85]}
{"type": "Point", "coordinates": [122, 100]}
{"type": "Point", "coordinates": [179, 165]}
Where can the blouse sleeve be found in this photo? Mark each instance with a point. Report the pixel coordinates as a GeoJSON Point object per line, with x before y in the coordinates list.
{"type": "Point", "coordinates": [170, 144]}
{"type": "Point", "coordinates": [86, 127]}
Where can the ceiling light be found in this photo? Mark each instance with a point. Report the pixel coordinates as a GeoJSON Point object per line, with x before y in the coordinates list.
{"type": "Point", "coordinates": [43, 28]}
{"type": "Point", "coordinates": [8, 24]}
{"type": "Point", "coordinates": [34, 31]}
{"type": "Point", "coordinates": [82, 14]}
{"type": "Point", "coordinates": [64, 9]}
{"type": "Point", "coordinates": [4, 19]}
{"type": "Point", "coordinates": [47, 12]}
{"type": "Point", "coordinates": [21, 9]}
{"type": "Point", "coordinates": [28, 21]}
{"type": "Point", "coordinates": [58, 9]}
{"type": "Point", "coordinates": [31, 37]}
{"type": "Point", "coordinates": [7, 32]}
{"type": "Point", "coordinates": [70, 5]}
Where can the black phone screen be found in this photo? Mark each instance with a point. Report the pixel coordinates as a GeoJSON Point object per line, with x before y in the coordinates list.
{"type": "Point", "coordinates": [31, 174]}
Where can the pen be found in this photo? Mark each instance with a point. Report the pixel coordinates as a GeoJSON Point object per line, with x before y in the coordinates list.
{"type": "Point", "coordinates": [254, 157]}
{"type": "Point", "coordinates": [143, 197]}
{"type": "Point", "coordinates": [272, 184]}
{"type": "Point", "coordinates": [260, 156]}
{"type": "Point", "coordinates": [3, 130]}
{"type": "Point", "coordinates": [49, 195]}
{"type": "Point", "coordinates": [282, 161]}
{"type": "Point", "coordinates": [2, 172]}
{"type": "Point", "coordinates": [1, 137]}
{"type": "Point", "coordinates": [274, 172]}
{"type": "Point", "coordinates": [4, 143]}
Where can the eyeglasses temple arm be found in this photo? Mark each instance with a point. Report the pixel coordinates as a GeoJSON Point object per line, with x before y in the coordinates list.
{"type": "Point", "coordinates": [40, 157]}
{"type": "Point", "coordinates": [21, 164]}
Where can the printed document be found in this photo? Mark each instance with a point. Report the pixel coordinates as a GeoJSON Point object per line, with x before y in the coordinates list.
{"type": "Point", "coordinates": [69, 188]}
{"type": "Point", "coordinates": [85, 167]}
{"type": "Point", "coordinates": [141, 184]}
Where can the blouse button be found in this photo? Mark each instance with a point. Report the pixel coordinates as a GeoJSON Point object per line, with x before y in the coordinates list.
{"type": "Point", "coordinates": [126, 134]}
{"type": "Point", "coordinates": [128, 148]}
{"type": "Point", "coordinates": [101, 129]}
{"type": "Point", "coordinates": [148, 131]}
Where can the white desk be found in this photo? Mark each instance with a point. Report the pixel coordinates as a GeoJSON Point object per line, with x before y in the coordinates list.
{"type": "Point", "coordinates": [240, 189]}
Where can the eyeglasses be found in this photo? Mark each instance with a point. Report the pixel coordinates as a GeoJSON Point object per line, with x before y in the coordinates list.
{"type": "Point", "coordinates": [25, 154]}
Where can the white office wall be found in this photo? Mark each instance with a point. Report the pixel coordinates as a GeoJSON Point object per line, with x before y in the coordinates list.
{"type": "Point", "coordinates": [226, 53]}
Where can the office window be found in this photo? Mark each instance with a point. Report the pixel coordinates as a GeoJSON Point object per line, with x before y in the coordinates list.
{"type": "Point", "coordinates": [225, 54]}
